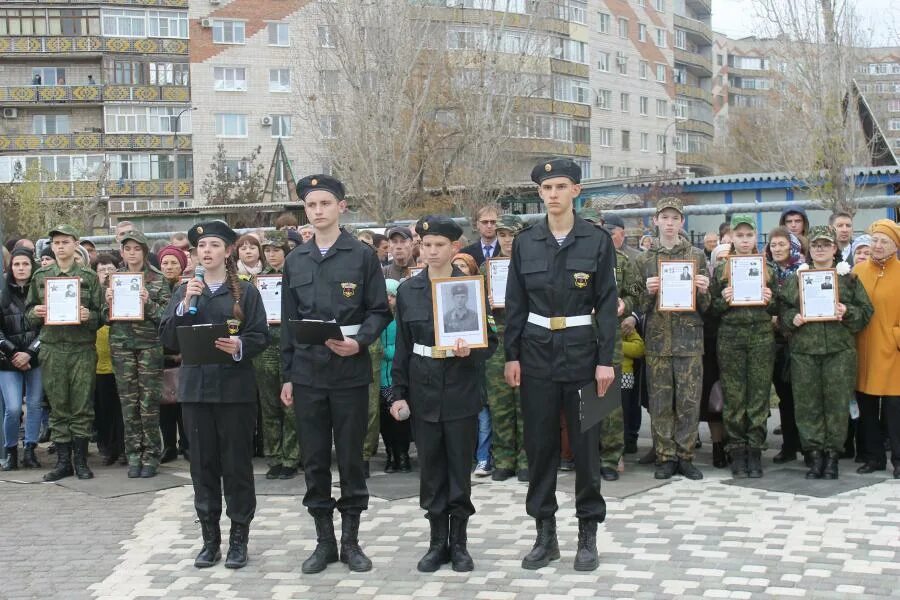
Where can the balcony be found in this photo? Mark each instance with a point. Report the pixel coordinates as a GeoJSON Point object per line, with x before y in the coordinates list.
{"type": "Point", "coordinates": [25, 95]}
{"type": "Point", "coordinates": [548, 147]}
{"type": "Point", "coordinates": [547, 105]}
{"type": "Point", "coordinates": [700, 7]}
{"type": "Point", "coordinates": [698, 64]}
{"type": "Point", "coordinates": [691, 159]}
{"type": "Point", "coordinates": [89, 44]}
{"type": "Point", "coordinates": [700, 32]}
{"type": "Point", "coordinates": [159, 3]}
{"type": "Point", "coordinates": [694, 92]}
{"type": "Point", "coordinates": [92, 142]}
{"type": "Point", "coordinates": [696, 126]}
{"type": "Point", "coordinates": [89, 189]}
{"type": "Point", "coordinates": [565, 67]}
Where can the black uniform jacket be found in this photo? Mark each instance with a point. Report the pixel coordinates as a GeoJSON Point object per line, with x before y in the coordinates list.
{"type": "Point", "coordinates": [347, 286]}
{"type": "Point", "coordinates": [575, 278]}
{"type": "Point", "coordinates": [221, 383]}
{"type": "Point", "coordinates": [440, 389]}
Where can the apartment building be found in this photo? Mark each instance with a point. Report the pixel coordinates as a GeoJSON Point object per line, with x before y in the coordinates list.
{"type": "Point", "coordinates": [878, 79]}
{"type": "Point", "coordinates": [93, 93]}
{"type": "Point", "coordinates": [693, 66]}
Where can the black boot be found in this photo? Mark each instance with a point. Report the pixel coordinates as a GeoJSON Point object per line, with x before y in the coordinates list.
{"type": "Point", "coordinates": [438, 550]}
{"type": "Point", "coordinates": [351, 554]}
{"type": "Point", "coordinates": [785, 455]}
{"type": "Point", "coordinates": [237, 546]}
{"type": "Point", "coordinates": [211, 553]}
{"type": "Point", "coordinates": [546, 546]}
{"type": "Point", "coordinates": [12, 458]}
{"type": "Point", "coordinates": [403, 463]}
{"type": "Point", "coordinates": [830, 469]}
{"type": "Point", "coordinates": [816, 463]}
{"type": "Point", "coordinates": [30, 461]}
{"type": "Point", "coordinates": [720, 461]}
{"type": "Point", "coordinates": [754, 463]}
{"type": "Point", "coordinates": [389, 466]}
{"type": "Point", "coordinates": [80, 452]}
{"type": "Point", "coordinates": [63, 466]}
{"type": "Point", "coordinates": [739, 463]}
{"type": "Point", "coordinates": [586, 558]}
{"type": "Point", "coordinates": [326, 551]}
{"type": "Point", "coordinates": [459, 555]}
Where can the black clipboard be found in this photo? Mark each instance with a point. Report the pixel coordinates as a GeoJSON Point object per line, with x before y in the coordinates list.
{"type": "Point", "coordinates": [198, 344]}
{"type": "Point", "coordinates": [593, 408]}
{"type": "Point", "coordinates": [315, 333]}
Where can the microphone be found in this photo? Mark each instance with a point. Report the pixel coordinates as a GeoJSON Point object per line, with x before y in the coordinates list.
{"type": "Point", "coordinates": [199, 272]}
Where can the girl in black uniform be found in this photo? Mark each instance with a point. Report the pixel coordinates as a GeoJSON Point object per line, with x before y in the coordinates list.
{"type": "Point", "coordinates": [219, 400]}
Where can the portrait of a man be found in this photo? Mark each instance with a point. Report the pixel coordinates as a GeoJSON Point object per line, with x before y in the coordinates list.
{"type": "Point", "coordinates": [460, 317]}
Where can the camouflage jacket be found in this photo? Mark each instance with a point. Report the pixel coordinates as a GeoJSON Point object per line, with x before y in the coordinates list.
{"type": "Point", "coordinates": [91, 298]}
{"type": "Point", "coordinates": [672, 333]}
{"type": "Point", "coordinates": [140, 335]}
{"type": "Point", "coordinates": [630, 287]}
{"type": "Point", "coordinates": [740, 316]}
{"type": "Point", "coordinates": [826, 337]}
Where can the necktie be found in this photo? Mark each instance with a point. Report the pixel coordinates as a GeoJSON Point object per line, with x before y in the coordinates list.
{"type": "Point", "coordinates": [487, 251]}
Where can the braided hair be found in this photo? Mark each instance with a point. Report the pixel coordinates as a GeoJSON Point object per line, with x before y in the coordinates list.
{"type": "Point", "coordinates": [234, 284]}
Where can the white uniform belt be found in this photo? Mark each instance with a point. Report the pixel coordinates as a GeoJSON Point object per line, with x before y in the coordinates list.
{"type": "Point", "coordinates": [556, 323]}
{"type": "Point", "coordinates": [349, 330]}
{"type": "Point", "coordinates": [431, 351]}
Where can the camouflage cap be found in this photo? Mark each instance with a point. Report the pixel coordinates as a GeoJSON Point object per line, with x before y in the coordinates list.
{"type": "Point", "coordinates": [743, 220]}
{"type": "Point", "coordinates": [589, 213]}
{"type": "Point", "coordinates": [275, 238]}
{"type": "Point", "coordinates": [822, 232]}
{"type": "Point", "coordinates": [64, 230]}
{"type": "Point", "coordinates": [670, 202]}
{"type": "Point", "coordinates": [511, 223]}
{"type": "Point", "coordinates": [135, 236]}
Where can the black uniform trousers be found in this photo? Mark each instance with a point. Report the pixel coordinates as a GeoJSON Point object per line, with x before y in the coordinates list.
{"type": "Point", "coordinates": [542, 401]}
{"type": "Point", "coordinates": [870, 425]}
{"type": "Point", "coordinates": [394, 433]}
{"type": "Point", "coordinates": [445, 452]}
{"type": "Point", "coordinates": [345, 412]}
{"type": "Point", "coordinates": [221, 441]}
{"type": "Point", "coordinates": [170, 423]}
{"type": "Point", "coordinates": [108, 416]}
{"type": "Point", "coordinates": [785, 392]}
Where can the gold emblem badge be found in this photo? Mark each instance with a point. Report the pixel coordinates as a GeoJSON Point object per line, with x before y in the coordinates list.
{"type": "Point", "coordinates": [581, 279]}
{"type": "Point", "coordinates": [548, 167]}
{"type": "Point", "coordinates": [200, 230]}
{"type": "Point", "coordinates": [348, 289]}
{"type": "Point", "coordinates": [233, 326]}
{"type": "Point", "coordinates": [425, 225]}
{"type": "Point", "coordinates": [314, 182]}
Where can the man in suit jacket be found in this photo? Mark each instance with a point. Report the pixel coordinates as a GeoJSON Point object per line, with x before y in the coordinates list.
{"type": "Point", "coordinates": [487, 246]}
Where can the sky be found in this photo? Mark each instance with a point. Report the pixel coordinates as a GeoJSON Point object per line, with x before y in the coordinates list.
{"type": "Point", "coordinates": [736, 18]}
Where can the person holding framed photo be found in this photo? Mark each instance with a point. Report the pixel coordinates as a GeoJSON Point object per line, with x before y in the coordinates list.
{"type": "Point", "coordinates": [137, 356]}
{"type": "Point", "coordinates": [823, 352]}
{"type": "Point", "coordinates": [68, 355]}
{"type": "Point", "coordinates": [745, 347]}
{"type": "Point", "coordinates": [442, 389]}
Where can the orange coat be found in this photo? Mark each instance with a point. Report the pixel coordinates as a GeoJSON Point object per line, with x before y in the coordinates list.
{"type": "Point", "coordinates": [878, 345]}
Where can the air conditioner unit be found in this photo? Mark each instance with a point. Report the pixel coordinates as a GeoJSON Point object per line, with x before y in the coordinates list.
{"type": "Point", "coordinates": [214, 1]}
{"type": "Point", "coordinates": [266, 121]}
{"type": "Point", "coordinates": [10, 113]}
{"type": "Point", "coordinates": [206, 23]}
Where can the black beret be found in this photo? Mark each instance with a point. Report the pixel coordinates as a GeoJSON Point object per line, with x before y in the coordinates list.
{"type": "Point", "coordinates": [558, 167]}
{"type": "Point", "coordinates": [439, 225]}
{"type": "Point", "coordinates": [613, 221]}
{"type": "Point", "coordinates": [320, 182]}
{"type": "Point", "coordinates": [219, 229]}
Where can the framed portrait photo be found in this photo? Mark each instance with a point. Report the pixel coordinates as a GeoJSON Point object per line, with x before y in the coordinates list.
{"type": "Point", "coordinates": [748, 279]}
{"type": "Point", "coordinates": [126, 302]}
{"type": "Point", "coordinates": [62, 297]}
{"type": "Point", "coordinates": [459, 311]}
{"type": "Point", "coordinates": [413, 271]}
{"type": "Point", "coordinates": [269, 287]}
{"type": "Point", "coordinates": [497, 272]}
{"type": "Point", "coordinates": [818, 294]}
{"type": "Point", "coordinates": [676, 286]}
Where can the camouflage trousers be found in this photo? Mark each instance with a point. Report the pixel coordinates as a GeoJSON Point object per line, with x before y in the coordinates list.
{"type": "Point", "coordinates": [823, 385]}
{"type": "Point", "coordinates": [612, 438]}
{"type": "Point", "coordinates": [746, 363]}
{"type": "Point", "coordinates": [139, 382]}
{"type": "Point", "coordinates": [373, 423]}
{"type": "Point", "coordinates": [508, 446]}
{"type": "Point", "coordinates": [68, 372]}
{"type": "Point", "coordinates": [674, 396]}
{"type": "Point", "coordinates": [279, 427]}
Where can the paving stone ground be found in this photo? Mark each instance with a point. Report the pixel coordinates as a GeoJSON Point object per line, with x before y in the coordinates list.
{"type": "Point", "coordinates": [682, 539]}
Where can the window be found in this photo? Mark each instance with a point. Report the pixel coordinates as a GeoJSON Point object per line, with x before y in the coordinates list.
{"type": "Point", "coordinates": [329, 82]}
{"type": "Point", "coordinates": [228, 32]}
{"type": "Point", "coordinates": [661, 5]}
{"type": "Point", "coordinates": [585, 165]}
{"type": "Point", "coordinates": [328, 125]}
{"type": "Point", "coordinates": [603, 22]}
{"type": "Point", "coordinates": [50, 124]}
{"type": "Point", "coordinates": [623, 27]}
{"type": "Point", "coordinates": [626, 139]}
{"type": "Point", "coordinates": [660, 37]}
{"type": "Point", "coordinates": [662, 109]}
{"type": "Point", "coordinates": [642, 32]}
{"type": "Point", "coordinates": [165, 119]}
{"type": "Point", "coordinates": [48, 76]}
{"type": "Point", "coordinates": [643, 67]}
{"type": "Point", "coordinates": [606, 172]}
{"type": "Point", "coordinates": [278, 34]}
{"type": "Point", "coordinates": [144, 119]}
{"type": "Point", "coordinates": [681, 41]}
{"type": "Point", "coordinates": [645, 141]}
{"type": "Point", "coordinates": [231, 125]}
{"type": "Point", "coordinates": [281, 126]}
{"type": "Point", "coordinates": [679, 74]}
{"type": "Point", "coordinates": [562, 130]}
{"type": "Point", "coordinates": [621, 63]}
{"type": "Point", "coordinates": [325, 38]}
{"type": "Point", "coordinates": [660, 143]}
{"type": "Point", "coordinates": [604, 137]}
{"type": "Point", "coordinates": [166, 73]}
{"type": "Point", "coordinates": [161, 167]}
{"type": "Point", "coordinates": [623, 101]}
{"type": "Point", "coordinates": [682, 108]}
{"type": "Point", "coordinates": [279, 80]}
{"type": "Point", "coordinates": [167, 24]}
{"type": "Point", "coordinates": [894, 125]}
{"type": "Point", "coordinates": [129, 167]}
{"type": "Point", "coordinates": [660, 73]}
{"type": "Point", "coordinates": [603, 61]}
{"type": "Point", "coordinates": [236, 170]}
{"type": "Point", "coordinates": [124, 23]}
{"type": "Point", "coordinates": [604, 99]}
{"type": "Point", "coordinates": [36, 21]}
{"type": "Point", "coordinates": [644, 105]}
{"type": "Point", "coordinates": [893, 105]}
{"type": "Point", "coordinates": [577, 11]}
{"type": "Point", "coordinates": [230, 79]}
{"type": "Point", "coordinates": [571, 50]}
{"type": "Point", "coordinates": [126, 72]}
{"type": "Point", "coordinates": [719, 59]}
{"type": "Point", "coordinates": [581, 133]}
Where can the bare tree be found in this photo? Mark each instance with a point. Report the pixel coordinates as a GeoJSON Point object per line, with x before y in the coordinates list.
{"type": "Point", "coordinates": [237, 183]}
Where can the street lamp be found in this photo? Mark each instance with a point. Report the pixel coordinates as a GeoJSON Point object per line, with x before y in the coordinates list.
{"type": "Point", "coordinates": [175, 153]}
{"type": "Point", "coordinates": [666, 140]}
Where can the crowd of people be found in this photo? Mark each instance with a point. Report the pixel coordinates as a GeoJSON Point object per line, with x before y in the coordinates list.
{"type": "Point", "coordinates": [581, 306]}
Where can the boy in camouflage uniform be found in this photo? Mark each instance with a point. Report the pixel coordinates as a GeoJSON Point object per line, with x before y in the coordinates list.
{"type": "Point", "coordinates": [674, 343]}
{"type": "Point", "coordinates": [68, 356]}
